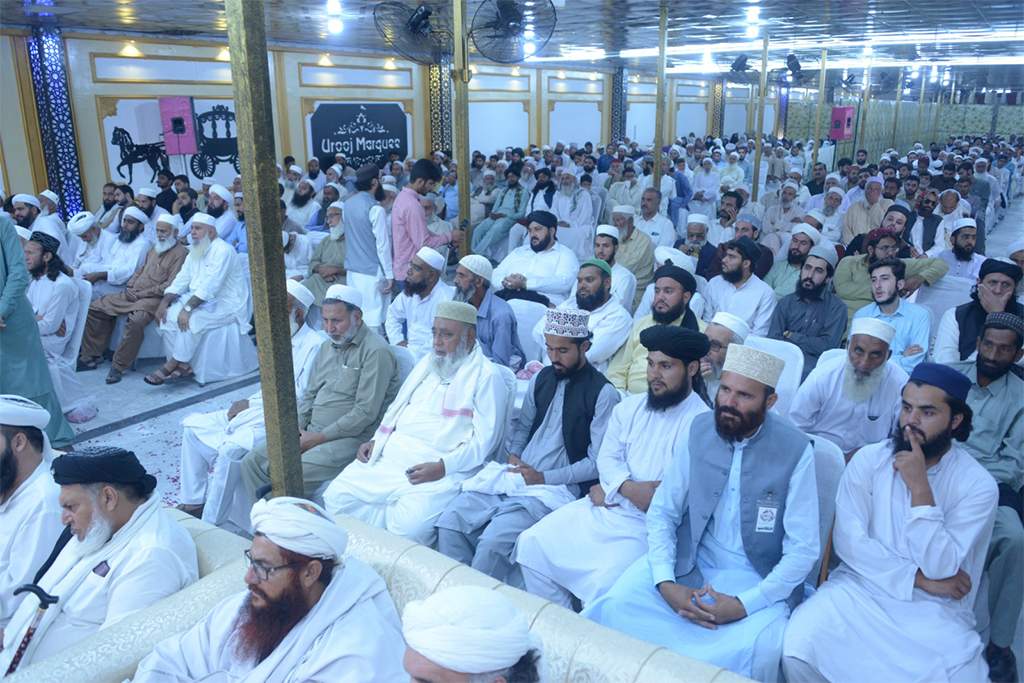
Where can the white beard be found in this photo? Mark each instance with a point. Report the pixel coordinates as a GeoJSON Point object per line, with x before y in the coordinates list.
{"type": "Point", "coordinates": [828, 211]}
{"type": "Point", "coordinates": [200, 248]}
{"type": "Point", "coordinates": [166, 244]}
{"type": "Point", "coordinates": [293, 324]}
{"type": "Point", "coordinates": [291, 184]}
{"type": "Point", "coordinates": [785, 204]}
{"type": "Point", "coordinates": [99, 532]}
{"type": "Point", "coordinates": [446, 366]}
{"type": "Point", "coordinates": [858, 389]}
{"type": "Point", "coordinates": [568, 192]}
{"type": "Point", "coordinates": [337, 232]}
{"type": "Point", "coordinates": [696, 243]}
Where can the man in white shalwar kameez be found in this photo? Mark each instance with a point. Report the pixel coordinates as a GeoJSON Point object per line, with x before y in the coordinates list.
{"type": "Point", "coordinates": [124, 554]}
{"type": "Point", "coordinates": [309, 614]}
{"type": "Point", "coordinates": [222, 438]}
{"type": "Point", "coordinates": [27, 215]}
{"type": "Point", "coordinates": [94, 242]}
{"type": "Point", "coordinates": [411, 313]}
{"type": "Point", "coordinates": [574, 209]}
{"type": "Point", "coordinates": [733, 532]}
{"type": "Point", "coordinates": [581, 549]}
{"type": "Point", "coordinates": [449, 416]}
{"type": "Point", "coordinates": [208, 292]}
{"type": "Point", "coordinates": [731, 175]}
{"type": "Point", "coordinates": [30, 513]}
{"type": "Point", "coordinates": [706, 186]}
{"type": "Point", "coordinates": [913, 519]}
{"type": "Point", "coordinates": [108, 270]}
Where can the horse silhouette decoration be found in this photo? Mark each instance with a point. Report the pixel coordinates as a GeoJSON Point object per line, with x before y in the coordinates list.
{"type": "Point", "coordinates": [131, 154]}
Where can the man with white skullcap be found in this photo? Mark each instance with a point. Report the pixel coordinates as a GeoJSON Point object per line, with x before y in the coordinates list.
{"type": "Point", "coordinates": [30, 512]}
{"type": "Point", "coordinates": [298, 252]}
{"type": "Point", "coordinates": [724, 330]}
{"type": "Point", "coordinates": [552, 458]}
{"type": "Point", "coordinates": [411, 315]}
{"type": "Point", "coordinates": [466, 634]}
{"type": "Point", "coordinates": [208, 292]}
{"type": "Point", "coordinates": [327, 264]}
{"type": "Point", "coordinates": [962, 257]}
{"type": "Point", "coordinates": [733, 531]}
{"type": "Point", "coordinates": [94, 243]}
{"type": "Point", "coordinates": [606, 248]}
{"type": "Point", "coordinates": [27, 214]}
{"type": "Point", "coordinates": [785, 273]}
{"type": "Point", "coordinates": [449, 416]}
{"type": "Point", "coordinates": [809, 315]}
{"type": "Point", "coordinates": [303, 207]}
{"type": "Point", "coordinates": [706, 188]}
{"type": "Point", "coordinates": [292, 176]}
{"type": "Point", "coordinates": [866, 214]}
{"type": "Point", "coordinates": [853, 398]}
{"type": "Point", "coordinates": [352, 381]}
{"type": "Point", "coordinates": [784, 215]}
{"type": "Point", "coordinates": [109, 266]}
{"type": "Point", "coordinates": [497, 331]}
{"type": "Point", "coordinates": [222, 438]}
{"type": "Point", "coordinates": [309, 613]}
{"type": "Point", "coordinates": [145, 203]}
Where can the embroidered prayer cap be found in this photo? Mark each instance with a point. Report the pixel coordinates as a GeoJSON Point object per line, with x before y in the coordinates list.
{"type": "Point", "coordinates": [670, 256]}
{"type": "Point", "coordinates": [49, 243]}
{"type": "Point", "coordinates": [431, 257]}
{"type": "Point", "coordinates": [457, 311]}
{"type": "Point", "coordinates": [51, 195]}
{"type": "Point", "coordinates": [568, 322]}
{"type": "Point", "coordinates": [349, 295]}
{"type": "Point", "coordinates": [301, 526]}
{"type": "Point", "coordinates": [22, 198]}
{"type": "Point", "coordinates": [204, 219]}
{"type": "Point", "coordinates": [700, 218]}
{"type": "Point", "coordinates": [809, 230]}
{"type": "Point", "coordinates": [137, 213]}
{"type": "Point", "coordinates": [879, 329]}
{"type": "Point", "coordinates": [295, 169]}
{"type": "Point", "coordinates": [879, 233]}
{"type": "Point", "coordinates": [468, 629]}
{"type": "Point", "coordinates": [478, 265]}
{"type": "Point", "coordinates": [300, 292]}
{"type": "Point", "coordinates": [612, 231]}
{"type": "Point", "coordinates": [733, 323]}
{"type": "Point", "coordinates": [101, 465]}
{"type": "Point", "coordinates": [16, 411]}
{"type": "Point", "coordinates": [678, 342]}
{"type": "Point", "coordinates": [683, 277]}
{"type": "Point", "coordinates": [954, 383]}
{"type": "Point", "coordinates": [754, 364]}
{"type": "Point", "coordinates": [749, 218]}
{"type": "Point", "coordinates": [965, 223]}
{"type": "Point", "coordinates": [1005, 321]}
{"type": "Point", "coordinates": [598, 263]}
{"type": "Point", "coordinates": [148, 192]}
{"type": "Point", "coordinates": [81, 222]}
{"type": "Point", "coordinates": [625, 210]}
{"type": "Point", "coordinates": [825, 252]}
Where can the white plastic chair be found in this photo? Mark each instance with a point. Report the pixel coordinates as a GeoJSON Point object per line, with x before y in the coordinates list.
{"type": "Point", "coordinates": [406, 361]}
{"type": "Point", "coordinates": [527, 314]}
{"type": "Point", "coordinates": [829, 464]}
{"type": "Point", "coordinates": [793, 357]}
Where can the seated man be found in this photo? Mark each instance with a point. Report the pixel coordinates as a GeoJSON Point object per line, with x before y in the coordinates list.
{"type": "Point", "coordinates": [960, 327]}
{"type": "Point", "coordinates": [668, 256]}
{"type": "Point", "coordinates": [865, 212]}
{"type": "Point", "coordinates": [543, 271]}
{"type": "Point", "coordinates": [416, 462]}
{"type": "Point", "coordinates": [723, 331]}
{"type": "Point", "coordinates": [912, 322]}
{"type": "Point", "coordinates": [996, 442]}
{"type": "Point", "coordinates": [853, 400]}
{"type": "Point", "coordinates": [222, 438]}
{"type": "Point", "coordinates": [108, 270]}
{"type": "Point", "coordinates": [30, 513]}
{"type": "Point", "coordinates": [124, 553]}
{"type": "Point", "coordinates": [208, 292]}
{"type": "Point", "coordinates": [747, 225]}
{"type": "Point", "coordinates": [353, 380]}
{"type": "Point", "coordinates": [961, 257]}
{"type": "Point", "coordinates": [696, 245]}
{"type": "Point", "coordinates": [609, 322]}
{"type": "Point", "coordinates": [779, 219]}
{"type": "Point", "coordinates": [309, 613]}
{"type": "Point", "coordinates": [496, 326]}
{"type": "Point", "coordinates": [811, 317]}
{"type": "Point", "coordinates": [553, 451]}
{"type": "Point", "coordinates": [636, 250]}
{"type": "Point", "coordinates": [733, 532]}
{"type": "Point", "coordinates": [606, 246]}
{"type": "Point", "coordinates": [673, 289]}
{"type": "Point", "coordinates": [582, 548]}
{"type": "Point", "coordinates": [327, 264]}
{"type": "Point", "coordinates": [469, 633]}
{"type": "Point", "coordinates": [914, 516]}
{"type": "Point", "coordinates": [786, 275]}
{"type": "Point", "coordinates": [655, 225]}
{"type": "Point", "coordinates": [411, 314]}
{"type": "Point", "coordinates": [738, 290]}
{"type": "Point", "coordinates": [138, 302]}
{"type": "Point", "coordinates": [26, 213]}
{"type": "Point", "coordinates": [298, 252]}
{"type": "Point", "coordinates": [490, 237]}
{"type": "Point", "coordinates": [574, 208]}
{"type": "Point", "coordinates": [94, 242]}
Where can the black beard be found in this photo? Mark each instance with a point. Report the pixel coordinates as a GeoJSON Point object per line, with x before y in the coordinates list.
{"type": "Point", "coordinates": [542, 245]}
{"type": "Point", "coordinates": [259, 630]}
{"type": "Point", "coordinates": [747, 423]}
{"type": "Point", "coordinates": [241, 216]}
{"type": "Point", "coordinates": [668, 316]}
{"type": "Point", "coordinates": [724, 215]}
{"type": "Point", "coordinates": [669, 399]}
{"type": "Point", "coordinates": [38, 271]}
{"type": "Point", "coordinates": [216, 213]}
{"type": "Point", "coordinates": [732, 276]}
{"type": "Point", "coordinates": [888, 301]}
{"type": "Point", "coordinates": [186, 209]}
{"type": "Point", "coordinates": [990, 369]}
{"type": "Point", "coordinates": [412, 288]}
{"type": "Point", "coordinates": [590, 169]}
{"type": "Point", "coordinates": [8, 471]}
{"type": "Point", "coordinates": [932, 448]}
{"type": "Point", "coordinates": [128, 236]}
{"type": "Point", "coordinates": [809, 294]}
{"type": "Point", "coordinates": [26, 220]}
{"type": "Point", "coordinates": [592, 302]}
{"type": "Point", "coordinates": [961, 254]}
{"type": "Point", "coordinates": [301, 200]}
{"type": "Point", "coordinates": [107, 206]}
{"type": "Point", "coordinates": [149, 211]}
{"type": "Point", "coordinates": [313, 175]}
{"type": "Point", "coordinates": [379, 194]}
{"type": "Point", "coordinates": [795, 258]}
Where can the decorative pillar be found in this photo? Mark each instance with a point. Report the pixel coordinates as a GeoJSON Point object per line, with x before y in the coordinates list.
{"type": "Point", "coordinates": [620, 81]}
{"type": "Point", "coordinates": [780, 124]}
{"type": "Point", "coordinates": [716, 106]}
{"type": "Point", "coordinates": [659, 110]}
{"type": "Point", "coordinates": [439, 84]}
{"type": "Point", "coordinates": [56, 122]}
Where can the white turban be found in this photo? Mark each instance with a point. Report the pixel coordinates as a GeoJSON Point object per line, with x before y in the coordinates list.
{"type": "Point", "coordinates": [301, 293]}
{"type": "Point", "coordinates": [790, 183]}
{"type": "Point", "coordinates": [26, 234]}
{"type": "Point", "coordinates": [804, 229]}
{"type": "Point", "coordinates": [1015, 247]}
{"type": "Point", "coordinates": [836, 190]}
{"type": "Point", "coordinates": [136, 213]}
{"type": "Point", "coordinates": [468, 629]}
{"type": "Point", "coordinates": [431, 257]}
{"type": "Point", "coordinates": [625, 209]}
{"type": "Point", "coordinates": [300, 526]}
{"type": "Point", "coordinates": [51, 195]}
{"type": "Point", "coordinates": [664, 254]}
{"type": "Point", "coordinates": [80, 222]}
{"type": "Point", "coordinates": [342, 192]}
{"type": "Point", "coordinates": [875, 179]}
{"type": "Point", "coordinates": [25, 199]}
{"type": "Point", "coordinates": [16, 411]}
{"type": "Point", "coordinates": [834, 176]}
{"type": "Point", "coordinates": [295, 169]}
{"type": "Point", "coordinates": [171, 219]}
{"type": "Point", "coordinates": [221, 192]}
{"type": "Point", "coordinates": [737, 325]}
{"type": "Point", "coordinates": [873, 327]}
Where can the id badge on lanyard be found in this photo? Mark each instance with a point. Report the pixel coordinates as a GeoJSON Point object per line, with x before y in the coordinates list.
{"type": "Point", "coordinates": [767, 513]}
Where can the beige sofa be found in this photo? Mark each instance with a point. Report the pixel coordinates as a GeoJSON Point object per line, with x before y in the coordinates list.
{"type": "Point", "coordinates": [577, 650]}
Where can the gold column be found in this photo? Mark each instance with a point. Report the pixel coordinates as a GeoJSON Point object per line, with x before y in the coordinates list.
{"type": "Point", "coordinates": [821, 103]}
{"type": "Point", "coordinates": [460, 118]}
{"type": "Point", "coordinates": [920, 109]}
{"type": "Point", "coordinates": [896, 113]}
{"type": "Point", "coordinates": [659, 110]}
{"type": "Point", "coordinates": [254, 117]}
{"type": "Point", "coordinates": [759, 133]}
{"type": "Point", "coordinates": [861, 133]}
{"type": "Point", "coordinates": [938, 108]}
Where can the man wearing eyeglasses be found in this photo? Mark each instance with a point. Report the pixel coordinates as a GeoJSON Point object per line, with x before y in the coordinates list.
{"type": "Point", "coordinates": [309, 613]}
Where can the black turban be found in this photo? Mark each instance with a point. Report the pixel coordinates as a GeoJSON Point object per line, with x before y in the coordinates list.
{"type": "Point", "coordinates": [516, 168]}
{"type": "Point", "coordinates": [748, 249]}
{"type": "Point", "coordinates": [47, 242]}
{"type": "Point", "coordinates": [678, 274]}
{"type": "Point", "coordinates": [545, 218]}
{"type": "Point", "coordinates": [990, 266]}
{"type": "Point", "coordinates": [896, 208]}
{"type": "Point", "coordinates": [543, 172]}
{"type": "Point", "coordinates": [102, 465]}
{"type": "Point", "coordinates": [677, 342]}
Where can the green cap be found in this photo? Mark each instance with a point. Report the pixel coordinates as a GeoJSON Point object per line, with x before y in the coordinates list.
{"type": "Point", "coordinates": [599, 263]}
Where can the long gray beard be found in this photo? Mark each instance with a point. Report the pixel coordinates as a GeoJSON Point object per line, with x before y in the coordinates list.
{"type": "Point", "coordinates": [828, 211]}
{"type": "Point", "coordinates": [696, 243]}
{"type": "Point", "coordinates": [200, 248]}
{"type": "Point", "coordinates": [337, 232]}
{"type": "Point", "coordinates": [784, 204]}
{"type": "Point", "coordinates": [464, 295]}
{"type": "Point", "coordinates": [99, 532]}
{"type": "Point", "coordinates": [447, 366]}
{"type": "Point", "coordinates": [163, 245]}
{"type": "Point", "coordinates": [291, 184]}
{"type": "Point", "coordinates": [568, 192]}
{"type": "Point", "coordinates": [860, 389]}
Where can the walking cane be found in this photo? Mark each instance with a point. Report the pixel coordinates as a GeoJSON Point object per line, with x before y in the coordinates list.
{"type": "Point", "coordinates": [45, 600]}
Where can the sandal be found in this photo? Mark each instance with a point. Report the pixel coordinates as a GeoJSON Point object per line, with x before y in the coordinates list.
{"type": "Point", "coordinates": [156, 378]}
{"type": "Point", "coordinates": [114, 376]}
{"type": "Point", "coordinates": [194, 510]}
{"type": "Point", "coordinates": [179, 375]}
{"type": "Point", "coordinates": [86, 365]}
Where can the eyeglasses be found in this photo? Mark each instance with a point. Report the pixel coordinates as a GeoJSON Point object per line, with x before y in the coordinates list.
{"type": "Point", "coordinates": [716, 346]}
{"type": "Point", "coordinates": [889, 250]}
{"type": "Point", "coordinates": [263, 573]}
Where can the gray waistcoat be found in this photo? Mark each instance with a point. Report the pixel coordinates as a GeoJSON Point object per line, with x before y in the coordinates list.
{"type": "Point", "coordinates": [360, 242]}
{"type": "Point", "coordinates": [769, 459]}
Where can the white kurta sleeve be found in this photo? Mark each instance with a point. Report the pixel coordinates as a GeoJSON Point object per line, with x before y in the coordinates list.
{"type": "Point", "coordinates": [613, 336]}
{"type": "Point", "coordinates": [611, 458]}
{"type": "Point", "coordinates": [489, 409]}
{"type": "Point", "coordinates": [763, 317]}
{"type": "Point", "coordinates": [396, 315]}
{"type": "Point", "coordinates": [122, 269]}
{"type": "Point", "coordinates": [211, 277]}
{"type": "Point", "coordinates": [183, 280]}
{"type": "Point", "coordinates": [184, 657]}
{"type": "Point", "coordinates": [947, 340]}
{"type": "Point", "coordinates": [382, 237]}
{"type": "Point", "coordinates": [55, 308]}
{"type": "Point", "coordinates": [561, 278]}
{"type": "Point", "coordinates": [152, 574]}
{"type": "Point", "coordinates": [807, 403]}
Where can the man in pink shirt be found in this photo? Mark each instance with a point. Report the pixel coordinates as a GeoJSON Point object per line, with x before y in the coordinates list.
{"type": "Point", "coordinates": [409, 232]}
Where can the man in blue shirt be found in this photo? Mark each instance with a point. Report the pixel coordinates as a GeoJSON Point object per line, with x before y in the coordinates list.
{"type": "Point", "coordinates": [912, 322]}
{"type": "Point", "coordinates": [496, 325]}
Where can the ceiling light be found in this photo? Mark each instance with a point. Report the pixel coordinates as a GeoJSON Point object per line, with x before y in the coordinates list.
{"type": "Point", "coordinates": [224, 55]}
{"type": "Point", "coordinates": [593, 75]}
{"type": "Point", "coordinates": [752, 31]}
{"type": "Point", "coordinates": [529, 34]}
{"type": "Point", "coordinates": [561, 74]}
{"type": "Point", "coordinates": [389, 64]}
{"type": "Point", "coordinates": [868, 50]}
{"type": "Point", "coordinates": [334, 7]}
{"type": "Point", "coordinates": [335, 26]}
{"type": "Point", "coordinates": [326, 61]}
{"type": "Point", "coordinates": [708, 60]}
{"type": "Point", "coordinates": [529, 48]}
{"type": "Point", "coordinates": [753, 14]}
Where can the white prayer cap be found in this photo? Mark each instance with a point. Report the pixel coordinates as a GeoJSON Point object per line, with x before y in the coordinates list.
{"type": "Point", "coordinates": [22, 198]}
{"type": "Point", "coordinates": [204, 219]}
{"type": "Point", "coordinates": [696, 217]}
{"type": "Point", "coordinates": [1016, 246]}
{"type": "Point", "coordinates": [295, 169]}
{"type": "Point", "coordinates": [221, 192]}
{"type": "Point", "coordinates": [546, 148]}
{"type": "Point", "coordinates": [875, 179]}
{"type": "Point", "coordinates": [16, 411]}
{"type": "Point", "coordinates": [431, 257]}
{"type": "Point", "coordinates": [136, 213]}
{"type": "Point", "coordinates": [300, 526]}
{"type": "Point", "coordinates": [339, 205]}
{"type": "Point", "coordinates": [478, 265]}
{"type": "Point", "coordinates": [560, 142]}
{"type": "Point", "coordinates": [804, 229]}
{"type": "Point", "coordinates": [337, 169]}
{"type": "Point", "coordinates": [51, 195]}
{"type": "Point", "coordinates": [80, 222]}
{"type": "Point", "coordinates": [609, 231]}
{"type": "Point", "coordinates": [834, 176]}
{"type": "Point", "coordinates": [734, 155]}
{"type": "Point", "coordinates": [625, 209]}
{"type": "Point", "coordinates": [279, 167]}
{"type": "Point", "coordinates": [389, 187]}
{"type": "Point", "coordinates": [798, 171]}
{"type": "Point", "coordinates": [342, 192]}
{"type": "Point", "coordinates": [26, 234]}
{"type": "Point", "coordinates": [300, 292]}
{"type": "Point", "coordinates": [825, 252]}
{"type": "Point", "coordinates": [238, 195]}
{"type": "Point", "coordinates": [285, 238]}
{"type": "Point", "coordinates": [171, 219]}
{"type": "Point", "coordinates": [879, 329]}
{"type": "Point", "coordinates": [735, 324]}
{"type": "Point", "coordinates": [754, 364]}
{"type": "Point", "coordinates": [730, 147]}
{"type": "Point", "coordinates": [817, 215]}
{"type": "Point", "coordinates": [456, 310]}
{"type": "Point", "coordinates": [663, 255]}
{"type": "Point", "coordinates": [790, 183]}
{"type": "Point", "coordinates": [437, 152]}
{"type": "Point", "coordinates": [349, 295]}
{"type": "Point", "coordinates": [389, 179]}
{"type": "Point", "coordinates": [468, 629]}
{"type": "Point", "coordinates": [146, 192]}
{"type": "Point", "coordinates": [488, 172]}
{"type": "Point", "coordinates": [965, 223]}
{"type": "Point", "coordinates": [836, 190]}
